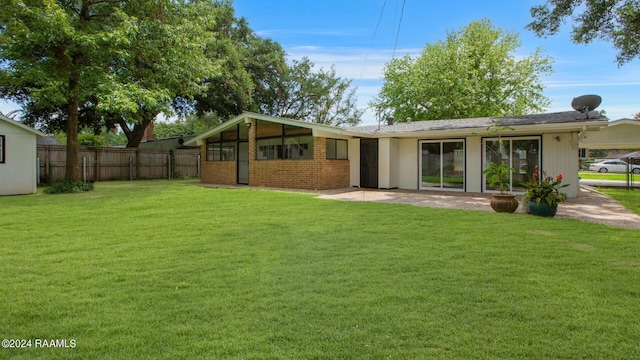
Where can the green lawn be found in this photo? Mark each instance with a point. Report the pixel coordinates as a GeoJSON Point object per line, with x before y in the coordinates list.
{"type": "Point", "coordinates": [629, 198]}
{"type": "Point", "coordinates": [605, 176]}
{"type": "Point", "coordinates": [168, 270]}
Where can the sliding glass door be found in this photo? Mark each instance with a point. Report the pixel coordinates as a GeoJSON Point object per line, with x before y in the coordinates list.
{"type": "Point", "coordinates": [442, 165]}
{"type": "Point", "coordinates": [522, 154]}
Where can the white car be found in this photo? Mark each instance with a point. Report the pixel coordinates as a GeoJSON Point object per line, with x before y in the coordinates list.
{"type": "Point", "coordinates": [617, 166]}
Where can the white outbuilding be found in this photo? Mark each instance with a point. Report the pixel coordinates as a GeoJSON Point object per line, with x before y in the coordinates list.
{"type": "Point", "coordinates": [18, 173]}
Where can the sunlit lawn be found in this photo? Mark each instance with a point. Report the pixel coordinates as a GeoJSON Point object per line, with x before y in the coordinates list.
{"type": "Point", "coordinates": [606, 176]}
{"type": "Point", "coordinates": [629, 198]}
{"type": "Point", "coordinates": [169, 270]}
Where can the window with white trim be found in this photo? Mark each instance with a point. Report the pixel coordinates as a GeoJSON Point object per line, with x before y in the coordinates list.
{"type": "Point", "coordinates": [520, 153]}
{"type": "Point", "coordinates": [442, 165]}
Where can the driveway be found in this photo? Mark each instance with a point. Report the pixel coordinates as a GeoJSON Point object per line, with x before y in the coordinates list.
{"type": "Point", "coordinates": [590, 205]}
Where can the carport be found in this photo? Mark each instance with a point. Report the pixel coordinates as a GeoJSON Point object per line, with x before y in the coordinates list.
{"type": "Point", "coordinates": [618, 134]}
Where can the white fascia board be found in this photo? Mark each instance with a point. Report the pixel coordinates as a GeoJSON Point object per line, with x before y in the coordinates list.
{"type": "Point", "coordinates": [21, 125]}
{"type": "Point", "coordinates": [199, 140]}
{"type": "Point", "coordinates": [482, 131]}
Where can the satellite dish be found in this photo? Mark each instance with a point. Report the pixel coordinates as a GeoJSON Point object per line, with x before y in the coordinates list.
{"type": "Point", "coordinates": [586, 103]}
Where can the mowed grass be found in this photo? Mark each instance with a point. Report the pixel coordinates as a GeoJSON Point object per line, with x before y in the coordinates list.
{"type": "Point", "coordinates": [591, 175]}
{"type": "Point", "coordinates": [168, 270]}
{"type": "Point", "coordinates": [629, 198]}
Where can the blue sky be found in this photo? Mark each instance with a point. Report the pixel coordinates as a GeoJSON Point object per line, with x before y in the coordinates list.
{"type": "Point", "coordinates": [341, 33]}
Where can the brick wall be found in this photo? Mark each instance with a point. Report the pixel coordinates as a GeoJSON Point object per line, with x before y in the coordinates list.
{"type": "Point", "coordinates": [316, 174]}
{"type": "Point", "coordinates": [217, 172]}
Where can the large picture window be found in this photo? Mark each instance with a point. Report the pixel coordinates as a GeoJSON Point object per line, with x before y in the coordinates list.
{"type": "Point", "coordinates": [337, 149]}
{"type": "Point", "coordinates": [521, 154]}
{"type": "Point", "coordinates": [442, 165]}
{"type": "Point", "coordinates": [1, 149]}
{"type": "Point", "coordinates": [277, 141]}
{"type": "Point", "coordinates": [224, 146]}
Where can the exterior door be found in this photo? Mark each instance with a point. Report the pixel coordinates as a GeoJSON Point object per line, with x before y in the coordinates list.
{"type": "Point", "coordinates": [369, 163]}
{"type": "Point", "coordinates": [243, 163]}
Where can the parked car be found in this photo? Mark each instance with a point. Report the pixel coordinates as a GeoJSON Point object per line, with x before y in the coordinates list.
{"type": "Point", "coordinates": [617, 166]}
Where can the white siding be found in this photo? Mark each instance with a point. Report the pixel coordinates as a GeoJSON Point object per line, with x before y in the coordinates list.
{"type": "Point", "coordinates": [388, 163]}
{"type": "Point", "coordinates": [408, 164]}
{"type": "Point", "coordinates": [473, 147]}
{"type": "Point", "coordinates": [621, 136]}
{"type": "Point", "coordinates": [560, 157]}
{"type": "Point", "coordinates": [18, 172]}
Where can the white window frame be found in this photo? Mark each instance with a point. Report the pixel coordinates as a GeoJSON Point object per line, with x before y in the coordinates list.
{"type": "Point", "coordinates": [464, 165]}
{"type": "Point", "coordinates": [510, 140]}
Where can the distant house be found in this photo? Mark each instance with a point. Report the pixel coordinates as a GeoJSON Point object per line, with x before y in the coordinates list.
{"type": "Point", "coordinates": [17, 157]}
{"type": "Point", "coordinates": [447, 155]}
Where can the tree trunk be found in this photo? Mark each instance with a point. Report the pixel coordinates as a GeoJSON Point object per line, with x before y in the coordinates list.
{"type": "Point", "coordinates": [137, 134]}
{"type": "Point", "coordinates": [72, 173]}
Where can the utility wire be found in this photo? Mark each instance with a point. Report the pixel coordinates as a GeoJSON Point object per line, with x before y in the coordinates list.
{"type": "Point", "coordinates": [372, 39]}
{"type": "Point", "coordinates": [398, 31]}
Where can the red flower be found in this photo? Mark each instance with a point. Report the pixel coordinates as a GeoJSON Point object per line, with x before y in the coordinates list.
{"type": "Point", "coordinates": [559, 177]}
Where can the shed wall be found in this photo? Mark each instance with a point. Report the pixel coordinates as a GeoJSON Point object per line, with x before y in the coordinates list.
{"type": "Point", "coordinates": [18, 172]}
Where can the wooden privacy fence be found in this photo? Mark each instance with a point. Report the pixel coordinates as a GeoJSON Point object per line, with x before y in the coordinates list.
{"type": "Point", "coordinates": [108, 163]}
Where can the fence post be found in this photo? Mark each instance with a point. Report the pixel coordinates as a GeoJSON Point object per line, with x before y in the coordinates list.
{"type": "Point", "coordinates": [168, 167]}
{"type": "Point", "coordinates": [130, 168]}
{"type": "Point", "coordinates": [137, 173]}
{"type": "Point", "coordinates": [84, 169]}
{"type": "Point", "coordinates": [97, 164]}
{"type": "Point", "coordinates": [38, 170]}
{"type": "Point", "coordinates": [47, 163]}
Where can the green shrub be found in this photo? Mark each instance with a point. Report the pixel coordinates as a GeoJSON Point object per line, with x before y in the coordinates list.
{"type": "Point", "coordinates": [68, 187]}
{"type": "Point", "coordinates": [45, 179]}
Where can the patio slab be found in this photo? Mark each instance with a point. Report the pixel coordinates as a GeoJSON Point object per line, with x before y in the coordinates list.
{"type": "Point", "coordinates": [590, 205]}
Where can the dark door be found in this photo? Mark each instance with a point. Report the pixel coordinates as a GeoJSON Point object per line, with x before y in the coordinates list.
{"type": "Point", "coordinates": [243, 163]}
{"type": "Point", "coordinates": [369, 163]}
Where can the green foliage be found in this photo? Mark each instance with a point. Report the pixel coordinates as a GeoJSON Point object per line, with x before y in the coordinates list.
{"type": "Point", "coordinates": [614, 20]}
{"type": "Point", "coordinates": [545, 188]}
{"type": "Point", "coordinates": [90, 140]}
{"type": "Point", "coordinates": [68, 187]}
{"type": "Point", "coordinates": [472, 73]}
{"type": "Point", "coordinates": [498, 173]}
{"type": "Point", "coordinates": [137, 270]}
{"type": "Point", "coordinates": [192, 125]}
{"type": "Point", "coordinates": [107, 61]}
{"type": "Point", "coordinates": [319, 97]}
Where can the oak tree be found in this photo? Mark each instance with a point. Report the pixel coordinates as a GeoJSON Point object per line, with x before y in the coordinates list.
{"type": "Point", "coordinates": [617, 21]}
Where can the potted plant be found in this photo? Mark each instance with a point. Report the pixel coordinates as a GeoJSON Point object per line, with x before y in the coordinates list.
{"type": "Point", "coordinates": [497, 174]}
{"type": "Point", "coordinates": [543, 193]}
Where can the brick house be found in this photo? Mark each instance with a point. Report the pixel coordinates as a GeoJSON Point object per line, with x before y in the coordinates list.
{"type": "Point", "coordinates": [441, 155]}
{"type": "Point", "coordinates": [260, 150]}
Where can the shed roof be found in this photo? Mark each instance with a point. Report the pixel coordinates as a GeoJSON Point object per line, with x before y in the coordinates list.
{"type": "Point", "coordinates": [20, 125]}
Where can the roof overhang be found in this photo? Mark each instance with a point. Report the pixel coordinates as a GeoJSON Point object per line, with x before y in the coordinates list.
{"type": "Point", "coordinates": [21, 126]}
{"type": "Point", "coordinates": [246, 117]}
{"type": "Point", "coordinates": [530, 129]}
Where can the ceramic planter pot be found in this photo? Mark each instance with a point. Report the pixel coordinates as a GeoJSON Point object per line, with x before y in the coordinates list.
{"type": "Point", "coordinates": [542, 209]}
{"type": "Point", "coordinates": [504, 203]}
